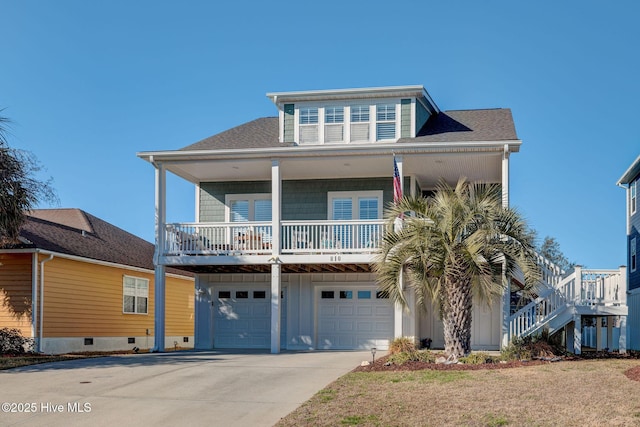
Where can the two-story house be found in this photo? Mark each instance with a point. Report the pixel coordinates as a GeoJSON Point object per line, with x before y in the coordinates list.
{"type": "Point", "coordinates": [289, 214]}
{"type": "Point", "coordinates": [630, 180]}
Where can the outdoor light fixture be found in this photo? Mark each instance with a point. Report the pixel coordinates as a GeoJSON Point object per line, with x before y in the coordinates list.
{"type": "Point", "coordinates": [373, 354]}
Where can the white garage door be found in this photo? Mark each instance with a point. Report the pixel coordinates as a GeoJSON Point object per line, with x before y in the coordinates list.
{"type": "Point", "coordinates": [242, 317]}
{"type": "Point", "coordinates": [353, 318]}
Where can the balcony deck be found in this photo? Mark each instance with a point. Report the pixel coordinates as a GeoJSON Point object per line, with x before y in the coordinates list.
{"type": "Point", "coordinates": [302, 244]}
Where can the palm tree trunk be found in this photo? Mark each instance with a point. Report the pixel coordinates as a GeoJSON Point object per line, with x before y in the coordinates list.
{"type": "Point", "coordinates": [456, 317]}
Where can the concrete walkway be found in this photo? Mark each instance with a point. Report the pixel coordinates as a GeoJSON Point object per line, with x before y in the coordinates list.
{"type": "Point", "coordinates": [194, 388]}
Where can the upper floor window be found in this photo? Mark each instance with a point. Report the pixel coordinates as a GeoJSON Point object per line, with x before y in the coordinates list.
{"type": "Point", "coordinates": [135, 295]}
{"type": "Point", "coordinates": [359, 123]}
{"type": "Point", "coordinates": [385, 121]}
{"type": "Point", "coordinates": [632, 255]}
{"type": "Point", "coordinates": [633, 195]}
{"type": "Point", "coordinates": [308, 125]}
{"type": "Point", "coordinates": [334, 124]}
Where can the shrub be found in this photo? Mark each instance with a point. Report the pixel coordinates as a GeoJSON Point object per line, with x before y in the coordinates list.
{"type": "Point", "coordinates": [12, 341]}
{"type": "Point", "coordinates": [479, 358]}
{"type": "Point", "coordinates": [402, 345]}
{"type": "Point", "coordinates": [412, 356]}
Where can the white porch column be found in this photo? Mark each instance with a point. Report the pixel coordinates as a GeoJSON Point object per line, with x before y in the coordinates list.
{"type": "Point", "coordinates": [622, 342]}
{"type": "Point", "coordinates": [577, 334]}
{"type": "Point", "coordinates": [599, 333]}
{"type": "Point", "coordinates": [159, 279]}
{"type": "Point", "coordinates": [505, 303]}
{"type": "Point", "coordinates": [276, 269]}
{"type": "Point", "coordinates": [397, 311]}
{"type": "Point", "coordinates": [505, 176]}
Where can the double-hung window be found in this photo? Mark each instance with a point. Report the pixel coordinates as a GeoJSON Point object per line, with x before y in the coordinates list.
{"type": "Point", "coordinates": [308, 125]}
{"type": "Point", "coordinates": [385, 121]}
{"type": "Point", "coordinates": [334, 124]}
{"type": "Point", "coordinates": [633, 259]}
{"type": "Point", "coordinates": [359, 123]}
{"type": "Point", "coordinates": [135, 295]}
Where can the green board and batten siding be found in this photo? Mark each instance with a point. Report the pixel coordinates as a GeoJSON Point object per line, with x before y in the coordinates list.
{"type": "Point", "coordinates": [301, 200]}
{"type": "Point", "coordinates": [289, 123]}
{"type": "Point", "coordinates": [405, 118]}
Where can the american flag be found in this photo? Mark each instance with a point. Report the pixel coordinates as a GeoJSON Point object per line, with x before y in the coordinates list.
{"type": "Point", "coordinates": [397, 186]}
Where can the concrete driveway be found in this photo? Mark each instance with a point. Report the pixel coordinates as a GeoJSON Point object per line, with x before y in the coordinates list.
{"type": "Point", "coordinates": [194, 388]}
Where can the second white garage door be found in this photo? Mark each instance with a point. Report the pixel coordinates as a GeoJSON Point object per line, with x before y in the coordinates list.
{"type": "Point", "coordinates": [353, 317]}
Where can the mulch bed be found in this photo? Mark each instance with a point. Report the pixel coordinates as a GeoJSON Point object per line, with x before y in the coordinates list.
{"type": "Point", "coordinates": [381, 365]}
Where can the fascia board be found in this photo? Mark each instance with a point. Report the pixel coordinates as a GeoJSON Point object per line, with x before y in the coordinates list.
{"type": "Point", "coordinates": [631, 173]}
{"type": "Point", "coordinates": [345, 94]}
{"type": "Point", "coordinates": [328, 150]}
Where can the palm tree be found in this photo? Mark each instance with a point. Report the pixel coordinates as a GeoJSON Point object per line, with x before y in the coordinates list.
{"type": "Point", "coordinates": [457, 243]}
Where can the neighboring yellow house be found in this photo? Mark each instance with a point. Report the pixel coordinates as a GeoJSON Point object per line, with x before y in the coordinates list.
{"type": "Point", "coordinates": [77, 283]}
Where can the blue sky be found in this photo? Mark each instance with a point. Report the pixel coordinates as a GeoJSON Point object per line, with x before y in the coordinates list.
{"type": "Point", "coordinates": [90, 84]}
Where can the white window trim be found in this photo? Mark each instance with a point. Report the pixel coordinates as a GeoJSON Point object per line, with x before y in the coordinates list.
{"type": "Point", "coordinates": [346, 104]}
{"type": "Point", "coordinates": [251, 197]}
{"type": "Point", "coordinates": [135, 302]}
{"type": "Point", "coordinates": [354, 195]}
{"type": "Point", "coordinates": [633, 197]}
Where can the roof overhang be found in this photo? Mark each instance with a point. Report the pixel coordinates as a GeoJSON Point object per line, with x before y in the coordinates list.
{"type": "Point", "coordinates": [427, 161]}
{"type": "Point", "coordinates": [411, 91]}
{"type": "Point", "coordinates": [631, 173]}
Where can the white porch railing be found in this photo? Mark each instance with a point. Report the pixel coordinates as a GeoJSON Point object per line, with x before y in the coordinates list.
{"type": "Point", "coordinates": [297, 237]}
{"type": "Point", "coordinates": [582, 288]}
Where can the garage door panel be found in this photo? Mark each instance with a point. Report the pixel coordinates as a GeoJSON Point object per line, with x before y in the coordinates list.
{"type": "Point", "coordinates": [346, 311]}
{"type": "Point", "coordinates": [245, 322]}
{"type": "Point", "coordinates": [361, 322]}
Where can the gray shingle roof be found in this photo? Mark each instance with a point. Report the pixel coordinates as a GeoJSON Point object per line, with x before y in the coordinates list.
{"type": "Point", "coordinates": [78, 233]}
{"type": "Point", "coordinates": [447, 126]}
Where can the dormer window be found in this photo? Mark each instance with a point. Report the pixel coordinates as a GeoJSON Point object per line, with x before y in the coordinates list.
{"type": "Point", "coordinates": [334, 124]}
{"type": "Point", "coordinates": [359, 123]}
{"type": "Point", "coordinates": [385, 121]}
{"type": "Point", "coordinates": [308, 125]}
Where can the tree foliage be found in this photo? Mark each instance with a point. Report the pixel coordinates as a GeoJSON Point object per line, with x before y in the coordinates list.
{"type": "Point", "coordinates": [550, 249]}
{"type": "Point", "coordinates": [458, 243]}
{"type": "Point", "coordinates": [20, 189]}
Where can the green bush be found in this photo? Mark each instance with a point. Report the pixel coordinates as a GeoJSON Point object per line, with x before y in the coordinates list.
{"type": "Point", "coordinates": [479, 358]}
{"type": "Point", "coordinates": [412, 356]}
{"type": "Point", "coordinates": [12, 342]}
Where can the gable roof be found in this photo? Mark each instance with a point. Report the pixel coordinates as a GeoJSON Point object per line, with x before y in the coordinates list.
{"type": "Point", "coordinates": [631, 173]}
{"type": "Point", "coordinates": [78, 233]}
{"type": "Point", "coordinates": [447, 126]}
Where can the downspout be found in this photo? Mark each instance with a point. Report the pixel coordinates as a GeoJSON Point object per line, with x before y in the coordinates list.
{"type": "Point", "coordinates": [42, 301]}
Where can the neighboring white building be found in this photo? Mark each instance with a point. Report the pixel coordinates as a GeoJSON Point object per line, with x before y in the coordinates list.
{"type": "Point", "coordinates": [289, 213]}
{"type": "Point", "coordinates": [630, 180]}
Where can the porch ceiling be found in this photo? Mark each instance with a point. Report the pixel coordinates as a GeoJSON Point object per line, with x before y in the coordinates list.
{"type": "Point", "coordinates": [428, 168]}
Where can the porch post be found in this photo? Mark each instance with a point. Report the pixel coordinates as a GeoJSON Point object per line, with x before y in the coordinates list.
{"type": "Point", "coordinates": [159, 279]}
{"type": "Point", "coordinates": [397, 311]}
{"type": "Point", "coordinates": [505, 176]}
{"type": "Point", "coordinates": [598, 333]}
{"type": "Point", "coordinates": [610, 320]}
{"type": "Point", "coordinates": [276, 276]}
{"type": "Point", "coordinates": [505, 302]}
{"type": "Point", "coordinates": [577, 334]}
{"type": "Point", "coordinates": [622, 342]}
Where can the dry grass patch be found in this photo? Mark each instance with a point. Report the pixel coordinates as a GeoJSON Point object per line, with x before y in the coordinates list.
{"type": "Point", "coordinates": [570, 393]}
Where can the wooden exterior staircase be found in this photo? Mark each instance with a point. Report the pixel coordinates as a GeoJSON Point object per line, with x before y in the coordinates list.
{"type": "Point", "coordinates": [564, 298]}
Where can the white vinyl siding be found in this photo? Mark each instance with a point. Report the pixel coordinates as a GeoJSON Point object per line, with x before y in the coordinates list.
{"type": "Point", "coordinates": [385, 121]}
{"type": "Point", "coordinates": [135, 295]}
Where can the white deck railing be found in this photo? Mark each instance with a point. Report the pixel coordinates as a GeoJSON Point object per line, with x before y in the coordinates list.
{"type": "Point", "coordinates": [297, 237]}
{"type": "Point", "coordinates": [582, 288]}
